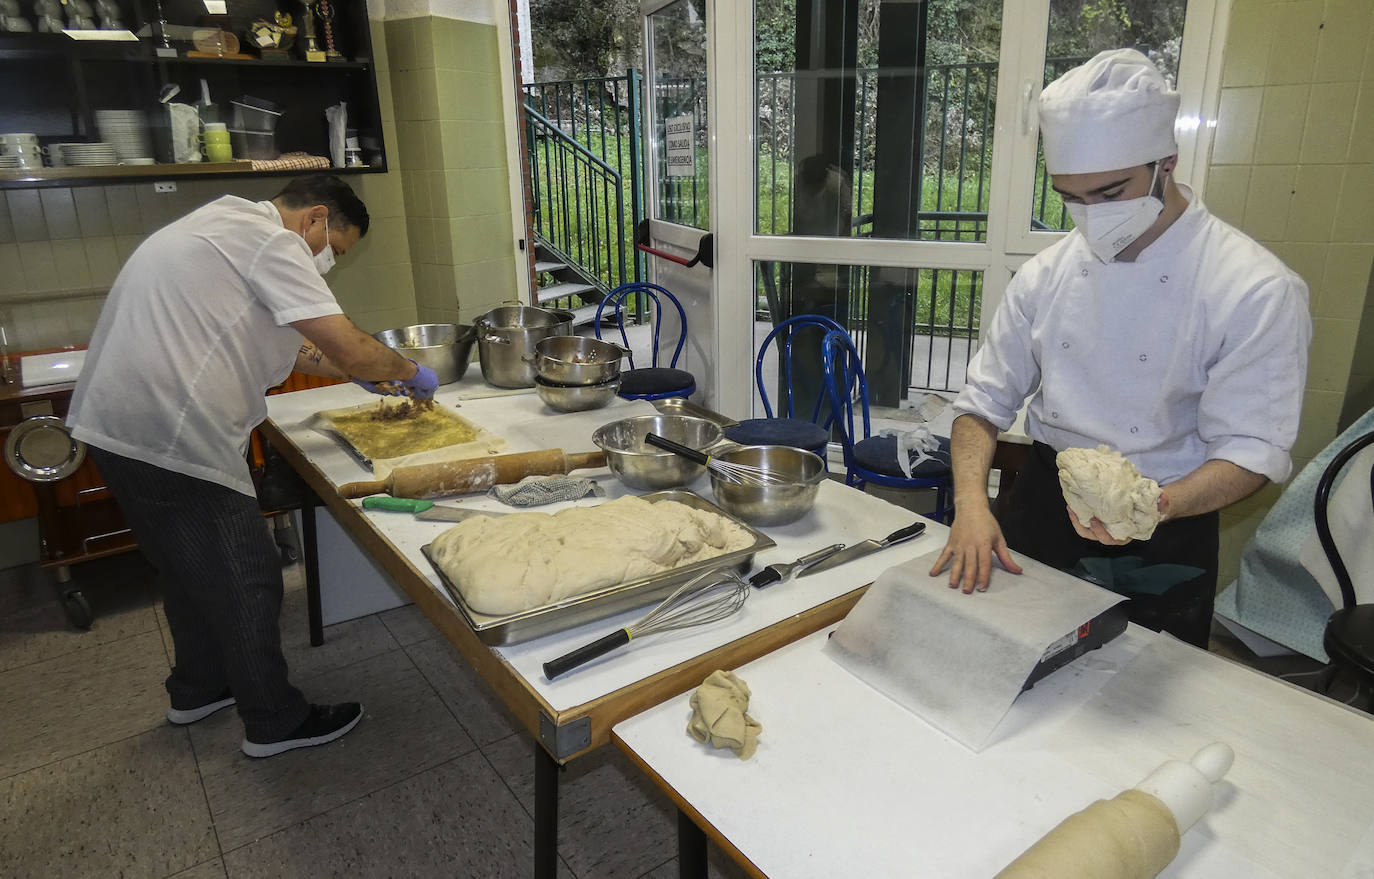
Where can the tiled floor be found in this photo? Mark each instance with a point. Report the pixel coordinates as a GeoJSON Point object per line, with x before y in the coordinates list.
{"type": "Point", "coordinates": [436, 781]}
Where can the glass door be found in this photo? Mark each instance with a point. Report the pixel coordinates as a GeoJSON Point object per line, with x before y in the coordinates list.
{"type": "Point", "coordinates": [880, 165]}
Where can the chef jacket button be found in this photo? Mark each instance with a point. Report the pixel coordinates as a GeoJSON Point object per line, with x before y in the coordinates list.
{"type": "Point", "coordinates": [1144, 357]}
{"type": "Point", "coordinates": [1163, 279]}
{"type": "Point", "coordinates": [1084, 273]}
{"type": "Point", "coordinates": [1135, 430]}
{"type": "Point", "coordinates": [1054, 414]}
{"type": "Point", "coordinates": [1063, 344]}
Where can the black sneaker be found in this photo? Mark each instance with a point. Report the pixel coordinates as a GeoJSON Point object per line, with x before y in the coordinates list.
{"type": "Point", "coordinates": [183, 716]}
{"type": "Point", "coordinates": [323, 724]}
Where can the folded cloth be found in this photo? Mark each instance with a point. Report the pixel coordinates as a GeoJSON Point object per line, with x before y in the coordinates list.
{"type": "Point", "coordinates": [291, 162]}
{"type": "Point", "coordinates": [535, 491]}
{"type": "Point", "coordinates": [719, 718]}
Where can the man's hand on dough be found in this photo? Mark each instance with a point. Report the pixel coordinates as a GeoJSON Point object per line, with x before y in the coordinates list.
{"type": "Point", "coordinates": [973, 540]}
{"type": "Point", "coordinates": [1094, 530]}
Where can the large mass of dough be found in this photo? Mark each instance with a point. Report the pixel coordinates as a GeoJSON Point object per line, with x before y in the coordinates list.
{"type": "Point", "coordinates": [506, 564]}
{"type": "Point", "coordinates": [1104, 484]}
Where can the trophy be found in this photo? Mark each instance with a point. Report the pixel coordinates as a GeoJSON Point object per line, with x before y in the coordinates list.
{"type": "Point", "coordinates": [310, 48]}
{"type": "Point", "coordinates": [164, 48]}
{"type": "Point", "coordinates": [326, 13]}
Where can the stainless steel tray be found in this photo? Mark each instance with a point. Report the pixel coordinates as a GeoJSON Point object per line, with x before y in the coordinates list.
{"type": "Point", "coordinates": [679, 406]}
{"type": "Point", "coordinates": [549, 618]}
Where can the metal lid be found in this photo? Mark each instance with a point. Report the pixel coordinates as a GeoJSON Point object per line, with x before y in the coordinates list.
{"type": "Point", "coordinates": [40, 449]}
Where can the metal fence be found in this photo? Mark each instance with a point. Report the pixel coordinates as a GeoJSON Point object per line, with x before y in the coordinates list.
{"type": "Point", "coordinates": [586, 163]}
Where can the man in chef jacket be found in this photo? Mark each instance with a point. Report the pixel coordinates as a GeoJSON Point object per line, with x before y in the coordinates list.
{"type": "Point", "coordinates": [206, 315]}
{"type": "Point", "coordinates": [1153, 328]}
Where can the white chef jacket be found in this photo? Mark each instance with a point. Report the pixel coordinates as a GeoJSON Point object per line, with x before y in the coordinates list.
{"type": "Point", "coordinates": [1195, 351]}
{"type": "Point", "coordinates": [194, 332]}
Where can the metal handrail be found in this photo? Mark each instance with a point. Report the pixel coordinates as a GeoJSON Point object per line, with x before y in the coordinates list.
{"type": "Point", "coordinates": [576, 220]}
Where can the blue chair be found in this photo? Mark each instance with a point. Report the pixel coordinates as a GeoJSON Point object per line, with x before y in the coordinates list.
{"type": "Point", "coordinates": [787, 429]}
{"type": "Point", "coordinates": [874, 458]}
{"type": "Point", "coordinates": [652, 382]}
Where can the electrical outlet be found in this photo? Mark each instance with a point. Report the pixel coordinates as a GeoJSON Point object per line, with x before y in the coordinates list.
{"type": "Point", "coordinates": [164, 186]}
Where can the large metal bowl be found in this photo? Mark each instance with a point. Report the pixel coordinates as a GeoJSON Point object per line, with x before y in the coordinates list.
{"type": "Point", "coordinates": [642, 466]}
{"type": "Point", "coordinates": [444, 348]}
{"type": "Point", "coordinates": [576, 360]}
{"type": "Point", "coordinates": [800, 473]}
{"type": "Point", "coordinates": [576, 398]}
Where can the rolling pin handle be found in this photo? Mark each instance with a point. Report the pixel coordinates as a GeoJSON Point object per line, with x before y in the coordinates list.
{"type": "Point", "coordinates": [362, 489]}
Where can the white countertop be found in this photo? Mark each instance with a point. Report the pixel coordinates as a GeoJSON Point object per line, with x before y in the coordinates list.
{"type": "Point", "coordinates": [841, 515]}
{"type": "Point", "coordinates": [847, 783]}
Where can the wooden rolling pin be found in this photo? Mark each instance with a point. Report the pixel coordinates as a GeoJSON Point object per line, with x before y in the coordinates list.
{"type": "Point", "coordinates": [473, 474]}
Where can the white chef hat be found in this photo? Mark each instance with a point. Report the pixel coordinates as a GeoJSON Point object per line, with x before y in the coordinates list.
{"type": "Point", "coordinates": [1115, 111]}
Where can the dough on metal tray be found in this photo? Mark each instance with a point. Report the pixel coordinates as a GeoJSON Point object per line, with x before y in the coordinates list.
{"type": "Point", "coordinates": [506, 564]}
{"type": "Point", "coordinates": [1104, 484]}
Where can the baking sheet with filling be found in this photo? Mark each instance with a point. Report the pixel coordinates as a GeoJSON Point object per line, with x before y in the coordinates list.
{"type": "Point", "coordinates": [331, 428]}
{"type": "Point", "coordinates": [570, 612]}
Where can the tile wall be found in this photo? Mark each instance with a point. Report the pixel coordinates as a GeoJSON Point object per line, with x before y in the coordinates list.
{"type": "Point", "coordinates": [445, 76]}
{"type": "Point", "coordinates": [60, 249]}
{"type": "Point", "coordinates": [1293, 166]}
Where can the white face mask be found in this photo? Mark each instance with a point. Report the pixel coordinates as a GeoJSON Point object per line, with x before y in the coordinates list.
{"type": "Point", "coordinates": [1109, 227]}
{"type": "Point", "coordinates": [324, 260]}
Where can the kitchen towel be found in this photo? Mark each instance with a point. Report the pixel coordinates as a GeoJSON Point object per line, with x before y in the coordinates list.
{"type": "Point", "coordinates": [959, 661]}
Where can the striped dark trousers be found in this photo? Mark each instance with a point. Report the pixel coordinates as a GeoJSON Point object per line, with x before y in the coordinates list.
{"type": "Point", "coordinates": [221, 585]}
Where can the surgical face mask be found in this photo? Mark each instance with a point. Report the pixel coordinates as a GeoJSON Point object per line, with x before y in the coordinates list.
{"type": "Point", "coordinates": [1109, 227]}
{"type": "Point", "coordinates": [324, 260]}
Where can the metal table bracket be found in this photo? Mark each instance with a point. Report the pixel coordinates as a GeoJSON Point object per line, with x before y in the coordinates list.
{"type": "Point", "coordinates": [566, 740]}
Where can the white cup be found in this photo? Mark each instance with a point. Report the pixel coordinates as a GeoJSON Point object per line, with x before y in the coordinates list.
{"type": "Point", "coordinates": [22, 139]}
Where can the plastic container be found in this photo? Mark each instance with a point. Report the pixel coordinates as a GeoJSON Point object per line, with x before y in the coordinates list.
{"type": "Point", "coordinates": [256, 145]}
{"type": "Point", "coordinates": [255, 114]}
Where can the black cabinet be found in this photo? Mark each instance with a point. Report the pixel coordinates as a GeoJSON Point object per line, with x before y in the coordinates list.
{"type": "Point", "coordinates": [52, 85]}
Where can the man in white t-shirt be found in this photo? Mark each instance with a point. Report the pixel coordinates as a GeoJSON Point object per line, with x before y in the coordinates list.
{"type": "Point", "coordinates": [206, 315]}
{"type": "Point", "coordinates": [1153, 328]}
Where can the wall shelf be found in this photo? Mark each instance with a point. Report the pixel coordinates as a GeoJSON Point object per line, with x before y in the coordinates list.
{"type": "Point", "coordinates": [53, 85]}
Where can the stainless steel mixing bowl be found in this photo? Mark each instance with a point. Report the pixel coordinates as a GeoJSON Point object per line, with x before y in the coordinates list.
{"type": "Point", "coordinates": [444, 348]}
{"type": "Point", "coordinates": [800, 473]}
{"type": "Point", "coordinates": [576, 398]}
{"type": "Point", "coordinates": [642, 466]}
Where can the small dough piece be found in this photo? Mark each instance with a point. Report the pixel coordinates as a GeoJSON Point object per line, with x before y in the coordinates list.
{"type": "Point", "coordinates": [719, 715]}
{"type": "Point", "coordinates": [1104, 484]}
{"type": "Point", "coordinates": [1131, 836]}
{"type": "Point", "coordinates": [507, 564]}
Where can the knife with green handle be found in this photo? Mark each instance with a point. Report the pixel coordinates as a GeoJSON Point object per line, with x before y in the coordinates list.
{"type": "Point", "coordinates": [866, 547]}
{"type": "Point", "coordinates": [422, 509]}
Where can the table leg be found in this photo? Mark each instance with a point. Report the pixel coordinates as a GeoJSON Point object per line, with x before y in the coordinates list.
{"type": "Point", "coordinates": [312, 574]}
{"type": "Point", "coordinates": [546, 771]}
{"type": "Point", "coordinates": [691, 848]}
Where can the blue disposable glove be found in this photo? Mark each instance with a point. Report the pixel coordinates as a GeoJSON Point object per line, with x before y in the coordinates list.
{"type": "Point", "coordinates": [420, 386]}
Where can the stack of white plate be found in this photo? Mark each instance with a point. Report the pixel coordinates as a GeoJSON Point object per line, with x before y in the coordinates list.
{"type": "Point", "coordinates": [87, 153]}
{"type": "Point", "coordinates": [9, 163]}
{"type": "Point", "coordinates": [127, 131]}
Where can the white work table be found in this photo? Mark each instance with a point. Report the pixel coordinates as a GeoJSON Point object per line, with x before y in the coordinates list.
{"type": "Point", "coordinates": [846, 782]}
{"type": "Point", "coordinates": [575, 713]}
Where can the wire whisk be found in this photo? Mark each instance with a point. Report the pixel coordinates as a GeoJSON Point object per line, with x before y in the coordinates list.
{"type": "Point", "coordinates": [740, 474]}
{"type": "Point", "coordinates": [707, 598]}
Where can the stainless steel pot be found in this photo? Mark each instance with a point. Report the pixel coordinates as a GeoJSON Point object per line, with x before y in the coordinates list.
{"type": "Point", "coordinates": [506, 335]}
{"type": "Point", "coordinates": [444, 348]}
{"type": "Point", "coordinates": [574, 360]}
{"type": "Point", "coordinates": [639, 465]}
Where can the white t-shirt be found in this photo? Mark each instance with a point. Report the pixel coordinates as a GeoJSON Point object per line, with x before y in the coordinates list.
{"type": "Point", "coordinates": [1196, 350]}
{"type": "Point", "coordinates": [194, 332]}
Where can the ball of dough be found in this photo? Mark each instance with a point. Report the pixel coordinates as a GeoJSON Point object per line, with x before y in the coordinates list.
{"type": "Point", "coordinates": [1102, 483]}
